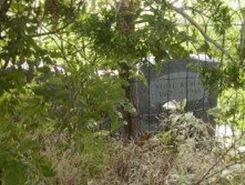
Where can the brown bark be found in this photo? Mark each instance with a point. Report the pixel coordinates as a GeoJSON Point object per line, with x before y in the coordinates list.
{"type": "Point", "coordinates": [125, 26]}
{"type": "Point", "coordinates": [132, 127]}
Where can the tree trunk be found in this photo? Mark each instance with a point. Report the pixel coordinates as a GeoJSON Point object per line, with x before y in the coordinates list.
{"type": "Point", "coordinates": [125, 26]}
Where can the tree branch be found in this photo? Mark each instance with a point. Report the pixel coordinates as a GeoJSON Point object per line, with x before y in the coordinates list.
{"type": "Point", "coordinates": [207, 174]}
{"type": "Point", "coordinates": [197, 26]}
{"type": "Point", "coordinates": [59, 30]}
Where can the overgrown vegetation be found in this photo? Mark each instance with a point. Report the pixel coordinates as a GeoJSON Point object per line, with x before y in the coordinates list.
{"type": "Point", "coordinates": [185, 154]}
{"type": "Point", "coordinates": [56, 106]}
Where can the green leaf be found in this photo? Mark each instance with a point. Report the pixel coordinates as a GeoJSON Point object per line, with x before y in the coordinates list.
{"type": "Point", "coordinates": [46, 167]}
{"type": "Point", "coordinates": [14, 173]}
{"type": "Point", "coordinates": [28, 144]}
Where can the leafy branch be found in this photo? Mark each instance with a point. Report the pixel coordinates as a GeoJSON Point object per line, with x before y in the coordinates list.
{"type": "Point", "coordinates": [198, 27]}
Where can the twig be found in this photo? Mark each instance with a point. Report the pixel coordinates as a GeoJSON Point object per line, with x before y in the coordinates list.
{"type": "Point", "coordinates": [206, 175]}
{"type": "Point", "coordinates": [197, 26]}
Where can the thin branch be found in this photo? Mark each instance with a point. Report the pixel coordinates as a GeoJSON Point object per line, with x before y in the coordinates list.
{"type": "Point", "coordinates": [76, 49]}
{"type": "Point", "coordinates": [197, 26]}
{"type": "Point", "coordinates": [59, 30]}
{"type": "Point", "coordinates": [207, 174]}
{"type": "Point", "coordinates": [51, 32]}
{"type": "Point", "coordinates": [196, 10]}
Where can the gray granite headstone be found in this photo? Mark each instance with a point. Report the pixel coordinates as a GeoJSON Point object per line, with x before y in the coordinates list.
{"type": "Point", "coordinates": [175, 80]}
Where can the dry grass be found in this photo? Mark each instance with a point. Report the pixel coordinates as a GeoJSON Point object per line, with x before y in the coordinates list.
{"type": "Point", "coordinates": [154, 163]}
{"type": "Point", "coordinates": [68, 165]}
{"type": "Point", "coordinates": [147, 163]}
{"type": "Point", "coordinates": [185, 154]}
{"type": "Point", "coordinates": [184, 159]}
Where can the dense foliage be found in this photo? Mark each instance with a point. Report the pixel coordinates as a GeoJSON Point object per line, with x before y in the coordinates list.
{"type": "Point", "coordinates": [52, 53]}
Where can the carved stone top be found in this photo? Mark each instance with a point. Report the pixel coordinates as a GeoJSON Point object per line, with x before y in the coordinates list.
{"type": "Point", "coordinates": [175, 80]}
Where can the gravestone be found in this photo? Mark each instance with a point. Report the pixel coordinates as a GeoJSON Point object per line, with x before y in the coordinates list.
{"type": "Point", "coordinates": [175, 80]}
